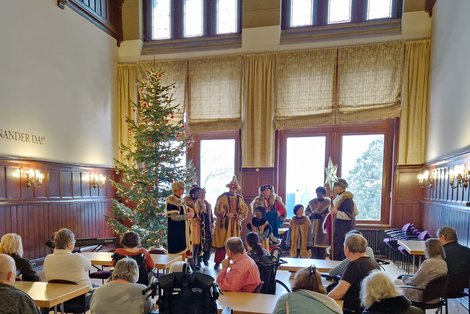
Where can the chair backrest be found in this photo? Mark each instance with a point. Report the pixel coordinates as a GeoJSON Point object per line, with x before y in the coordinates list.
{"type": "Point", "coordinates": [424, 235]}
{"type": "Point", "coordinates": [436, 288]}
{"type": "Point", "coordinates": [194, 293]}
{"type": "Point", "coordinates": [141, 263]}
{"type": "Point", "coordinates": [258, 287]}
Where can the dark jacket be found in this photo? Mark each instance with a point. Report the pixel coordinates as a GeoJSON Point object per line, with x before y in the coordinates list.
{"type": "Point", "coordinates": [457, 258]}
{"type": "Point", "coordinates": [396, 305]}
{"type": "Point", "coordinates": [24, 269]}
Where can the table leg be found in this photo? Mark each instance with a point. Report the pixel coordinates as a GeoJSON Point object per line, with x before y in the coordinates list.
{"type": "Point", "coordinates": [414, 257]}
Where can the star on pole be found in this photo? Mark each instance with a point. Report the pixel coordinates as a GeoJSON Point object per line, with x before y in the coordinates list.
{"type": "Point", "coordinates": [330, 172]}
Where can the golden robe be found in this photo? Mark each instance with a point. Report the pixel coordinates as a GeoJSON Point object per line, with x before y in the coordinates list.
{"type": "Point", "coordinates": [225, 227]}
{"type": "Point", "coordinates": [300, 236]}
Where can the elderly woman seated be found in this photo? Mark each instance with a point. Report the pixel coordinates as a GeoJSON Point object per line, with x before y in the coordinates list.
{"type": "Point", "coordinates": [65, 265]}
{"type": "Point", "coordinates": [379, 295]}
{"type": "Point", "coordinates": [122, 294]}
{"type": "Point", "coordinates": [12, 245]}
{"type": "Point", "coordinates": [307, 296]}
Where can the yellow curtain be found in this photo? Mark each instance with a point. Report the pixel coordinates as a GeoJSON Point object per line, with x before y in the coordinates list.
{"type": "Point", "coordinates": [174, 72]}
{"type": "Point", "coordinates": [127, 94]}
{"type": "Point", "coordinates": [369, 82]}
{"type": "Point", "coordinates": [258, 96]}
{"type": "Point", "coordinates": [305, 82]}
{"type": "Point", "coordinates": [413, 128]}
{"type": "Point", "coordinates": [214, 101]}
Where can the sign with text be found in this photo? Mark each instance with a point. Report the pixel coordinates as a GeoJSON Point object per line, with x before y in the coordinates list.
{"type": "Point", "coordinates": [18, 136]}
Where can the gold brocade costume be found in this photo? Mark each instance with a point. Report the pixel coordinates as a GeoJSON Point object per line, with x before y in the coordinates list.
{"type": "Point", "coordinates": [225, 227]}
{"type": "Point", "coordinates": [197, 207]}
{"type": "Point", "coordinates": [300, 236]}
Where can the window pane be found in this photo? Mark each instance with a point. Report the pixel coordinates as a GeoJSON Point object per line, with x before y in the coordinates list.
{"type": "Point", "coordinates": [161, 13]}
{"type": "Point", "coordinates": [301, 12]}
{"type": "Point", "coordinates": [304, 169]}
{"type": "Point", "coordinates": [339, 11]}
{"type": "Point", "coordinates": [217, 166]}
{"type": "Point", "coordinates": [362, 167]}
{"type": "Point", "coordinates": [193, 12]}
{"type": "Point", "coordinates": [227, 16]}
{"type": "Point", "coordinates": [379, 9]}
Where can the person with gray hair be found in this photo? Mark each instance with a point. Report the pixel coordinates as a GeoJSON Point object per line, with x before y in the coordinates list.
{"type": "Point", "coordinates": [65, 265]}
{"type": "Point", "coordinates": [379, 295]}
{"type": "Point", "coordinates": [179, 227]}
{"type": "Point", "coordinates": [239, 271]}
{"type": "Point", "coordinates": [360, 265]}
{"type": "Point", "coordinates": [457, 256]}
{"type": "Point", "coordinates": [14, 301]}
{"type": "Point", "coordinates": [122, 294]}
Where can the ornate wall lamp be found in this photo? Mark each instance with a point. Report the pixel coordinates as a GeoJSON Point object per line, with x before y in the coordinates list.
{"type": "Point", "coordinates": [34, 178]}
{"type": "Point", "coordinates": [425, 179]}
{"type": "Point", "coordinates": [459, 176]}
{"type": "Point", "coordinates": [97, 180]}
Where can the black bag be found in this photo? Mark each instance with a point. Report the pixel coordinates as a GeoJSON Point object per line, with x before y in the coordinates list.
{"type": "Point", "coordinates": [194, 293]}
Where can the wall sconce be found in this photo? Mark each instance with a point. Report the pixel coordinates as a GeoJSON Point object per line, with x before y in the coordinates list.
{"type": "Point", "coordinates": [34, 178]}
{"type": "Point", "coordinates": [459, 176]}
{"type": "Point", "coordinates": [425, 179]}
{"type": "Point", "coordinates": [97, 180]}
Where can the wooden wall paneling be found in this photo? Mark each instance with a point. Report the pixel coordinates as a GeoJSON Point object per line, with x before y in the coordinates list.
{"type": "Point", "coordinates": [13, 179]}
{"type": "Point", "coordinates": [252, 178]}
{"type": "Point", "coordinates": [76, 184]}
{"type": "Point", "coordinates": [66, 183]}
{"type": "Point", "coordinates": [407, 197]}
{"type": "Point", "coordinates": [85, 182]}
{"type": "Point", "coordinates": [3, 219]}
{"type": "Point", "coordinates": [3, 182]}
{"type": "Point", "coordinates": [54, 183]}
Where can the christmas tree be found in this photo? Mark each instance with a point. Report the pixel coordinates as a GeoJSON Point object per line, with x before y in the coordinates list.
{"type": "Point", "coordinates": [151, 165]}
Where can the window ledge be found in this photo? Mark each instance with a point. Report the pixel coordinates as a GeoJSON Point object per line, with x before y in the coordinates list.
{"type": "Point", "coordinates": [226, 41]}
{"type": "Point", "coordinates": [345, 30]}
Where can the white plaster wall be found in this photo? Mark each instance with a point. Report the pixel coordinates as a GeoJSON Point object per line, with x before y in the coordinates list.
{"type": "Point", "coordinates": [57, 80]}
{"type": "Point", "coordinates": [449, 117]}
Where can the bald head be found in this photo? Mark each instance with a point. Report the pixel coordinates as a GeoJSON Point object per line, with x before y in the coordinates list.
{"type": "Point", "coordinates": [7, 269]}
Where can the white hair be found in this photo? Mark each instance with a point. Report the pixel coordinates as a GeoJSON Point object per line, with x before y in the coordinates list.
{"type": "Point", "coordinates": [375, 287]}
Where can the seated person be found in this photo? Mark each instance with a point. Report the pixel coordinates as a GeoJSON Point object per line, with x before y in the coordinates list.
{"type": "Point", "coordinates": [239, 272]}
{"type": "Point", "coordinates": [180, 267]}
{"type": "Point", "coordinates": [338, 270]}
{"type": "Point", "coordinates": [260, 225]}
{"type": "Point", "coordinates": [299, 238]}
{"type": "Point", "coordinates": [12, 245]}
{"type": "Point", "coordinates": [307, 296]}
{"type": "Point", "coordinates": [457, 256]}
{"type": "Point", "coordinates": [432, 267]}
{"type": "Point", "coordinates": [65, 265]}
{"type": "Point", "coordinates": [379, 295]}
{"type": "Point", "coordinates": [360, 265]}
{"type": "Point", "coordinates": [14, 301]}
{"type": "Point", "coordinates": [255, 251]}
{"type": "Point", "coordinates": [122, 294]}
{"type": "Point", "coordinates": [131, 246]}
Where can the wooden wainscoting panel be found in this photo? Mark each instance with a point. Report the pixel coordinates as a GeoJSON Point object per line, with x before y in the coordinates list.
{"type": "Point", "coordinates": [252, 178]}
{"type": "Point", "coordinates": [66, 183]}
{"type": "Point", "coordinates": [54, 183]}
{"type": "Point", "coordinates": [13, 182]}
{"type": "Point", "coordinates": [76, 184]}
{"type": "Point", "coordinates": [3, 182]}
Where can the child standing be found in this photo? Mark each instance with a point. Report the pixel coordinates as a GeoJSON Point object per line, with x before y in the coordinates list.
{"type": "Point", "coordinates": [300, 234]}
{"type": "Point", "coordinates": [260, 225]}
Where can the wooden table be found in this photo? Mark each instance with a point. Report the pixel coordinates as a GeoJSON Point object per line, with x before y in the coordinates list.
{"type": "Point", "coordinates": [47, 295]}
{"type": "Point", "coordinates": [161, 261]}
{"type": "Point", "coordinates": [414, 248]}
{"type": "Point", "coordinates": [252, 303]}
{"type": "Point", "coordinates": [244, 302]}
{"type": "Point", "coordinates": [296, 264]}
